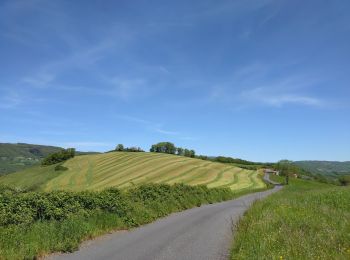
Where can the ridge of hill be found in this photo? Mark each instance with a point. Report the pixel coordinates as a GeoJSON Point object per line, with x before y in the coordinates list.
{"type": "Point", "coordinates": [125, 169]}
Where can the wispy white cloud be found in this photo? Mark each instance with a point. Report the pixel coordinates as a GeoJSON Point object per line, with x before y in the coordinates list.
{"type": "Point", "coordinates": [161, 131]}
{"type": "Point", "coordinates": [126, 88]}
{"type": "Point", "coordinates": [133, 119]}
{"type": "Point", "coordinates": [267, 97]}
{"type": "Point", "coordinates": [39, 80]}
{"type": "Point", "coordinates": [154, 127]}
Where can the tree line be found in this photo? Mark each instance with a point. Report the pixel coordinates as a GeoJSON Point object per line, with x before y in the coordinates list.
{"type": "Point", "coordinates": [121, 148]}
{"type": "Point", "coordinates": [170, 148]}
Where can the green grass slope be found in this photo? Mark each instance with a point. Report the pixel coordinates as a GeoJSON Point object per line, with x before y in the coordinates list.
{"type": "Point", "coordinates": [306, 220]}
{"type": "Point", "coordinates": [123, 169]}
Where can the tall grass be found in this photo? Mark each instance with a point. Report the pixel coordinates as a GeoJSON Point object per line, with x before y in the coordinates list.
{"type": "Point", "coordinates": [306, 220]}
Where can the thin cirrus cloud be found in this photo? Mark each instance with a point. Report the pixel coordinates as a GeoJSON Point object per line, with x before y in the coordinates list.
{"type": "Point", "coordinates": [155, 127]}
{"type": "Point", "coordinates": [268, 97]}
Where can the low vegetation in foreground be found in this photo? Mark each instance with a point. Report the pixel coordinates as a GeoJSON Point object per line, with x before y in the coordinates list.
{"type": "Point", "coordinates": [37, 223]}
{"type": "Point", "coordinates": [306, 220]}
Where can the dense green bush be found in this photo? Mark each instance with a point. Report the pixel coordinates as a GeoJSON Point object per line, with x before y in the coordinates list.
{"type": "Point", "coordinates": [27, 207]}
{"type": "Point", "coordinates": [58, 157]}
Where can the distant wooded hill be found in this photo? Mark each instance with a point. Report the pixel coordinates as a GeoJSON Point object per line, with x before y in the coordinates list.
{"type": "Point", "coordinates": [326, 168]}
{"type": "Point", "coordinates": [16, 157]}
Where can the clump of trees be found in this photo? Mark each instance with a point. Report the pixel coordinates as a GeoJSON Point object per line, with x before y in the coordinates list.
{"type": "Point", "coordinates": [121, 148]}
{"type": "Point", "coordinates": [58, 157]}
{"type": "Point", "coordinates": [170, 148]}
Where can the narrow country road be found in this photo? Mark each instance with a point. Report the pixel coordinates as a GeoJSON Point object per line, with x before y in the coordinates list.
{"type": "Point", "coordinates": [203, 233]}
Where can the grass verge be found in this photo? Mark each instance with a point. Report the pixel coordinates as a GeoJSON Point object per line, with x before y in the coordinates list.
{"type": "Point", "coordinates": [306, 220]}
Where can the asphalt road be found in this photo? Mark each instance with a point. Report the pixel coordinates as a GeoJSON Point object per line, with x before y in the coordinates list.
{"type": "Point", "coordinates": [199, 233]}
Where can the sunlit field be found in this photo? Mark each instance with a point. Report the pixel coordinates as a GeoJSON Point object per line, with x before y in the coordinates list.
{"type": "Point", "coordinates": [125, 169]}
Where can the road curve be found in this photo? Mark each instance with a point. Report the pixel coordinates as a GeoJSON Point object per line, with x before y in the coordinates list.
{"type": "Point", "coordinates": [199, 233]}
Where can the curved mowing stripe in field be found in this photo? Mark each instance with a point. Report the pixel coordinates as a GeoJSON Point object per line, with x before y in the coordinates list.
{"type": "Point", "coordinates": [208, 173]}
{"type": "Point", "coordinates": [243, 181]}
{"type": "Point", "coordinates": [187, 178]}
{"type": "Point", "coordinates": [105, 173]}
{"type": "Point", "coordinates": [228, 177]}
{"type": "Point", "coordinates": [127, 161]}
{"type": "Point", "coordinates": [214, 175]}
{"type": "Point", "coordinates": [219, 176]}
{"type": "Point", "coordinates": [162, 176]}
{"type": "Point", "coordinates": [103, 160]}
{"type": "Point", "coordinates": [173, 179]}
{"type": "Point", "coordinates": [144, 175]}
{"type": "Point", "coordinates": [126, 176]}
{"type": "Point", "coordinates": [122, 169]}
{"type": "Point", "coordinates": [139, 166]}
{"type": "Point", "coordinates": [89, 174]}
{"type": "Point", "coordinates": [114, 162]}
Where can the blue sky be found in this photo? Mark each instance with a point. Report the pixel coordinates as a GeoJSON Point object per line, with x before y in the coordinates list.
{"type": "Point", "coordinates": [261, 80]}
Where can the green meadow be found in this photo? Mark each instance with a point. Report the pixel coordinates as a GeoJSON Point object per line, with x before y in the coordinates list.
{"type": "Point", "coordinates": [306, 220]}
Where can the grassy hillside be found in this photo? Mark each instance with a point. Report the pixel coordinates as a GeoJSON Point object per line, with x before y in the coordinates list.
{"type": "Point", "coordinates": [15, 157]}
{"type": "Point", "coordinates": [325, 168]}
{"type": "Point", "coordinates": [306, 220]}
{"type": "Point", "coordinates": [123, 169]}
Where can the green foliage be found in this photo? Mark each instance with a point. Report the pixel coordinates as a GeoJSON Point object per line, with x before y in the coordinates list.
{"type": "Point", "coordinates": [306, 220]}
{"type": "Point", "coordinates": [58, 157]}
{"type": "Point", "coordinates": [344, 180]}
{"type": "Point", "coordinates": [167, 147]}
{"type": "Point", "coordinates": [223, 159]}
{"type": "Point", "coordinates": [163, 147]}
{"type": "Point", "coordinates": [133, 149]}
{"type": "Point", "coordinates": [60, 167]}
{"type": "Point", "coordinates": [34, 223]}
{"type": "Point", "coordinates": [120, 148]}
{"type": "Point", "coordinates": [180, 151]}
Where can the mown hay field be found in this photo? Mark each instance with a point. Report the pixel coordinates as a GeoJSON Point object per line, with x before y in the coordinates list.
{"type": "Point", "coordinates": [125, 169]}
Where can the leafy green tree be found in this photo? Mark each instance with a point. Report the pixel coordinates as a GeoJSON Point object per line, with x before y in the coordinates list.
{"type": "Point", "coordinates": [60, 156]}
{"type": "Point", "coordinates": [163, 147]}
{"type": "Point", "coordinates": [179, 151]}
{"type": "Point", "coordinates": [192, 153]}
{"type": "Point", "coordinates": [119, 148]}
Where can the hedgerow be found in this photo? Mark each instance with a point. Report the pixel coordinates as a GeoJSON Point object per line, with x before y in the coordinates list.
{"type": "Point", "coordinates": [33, 223]}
